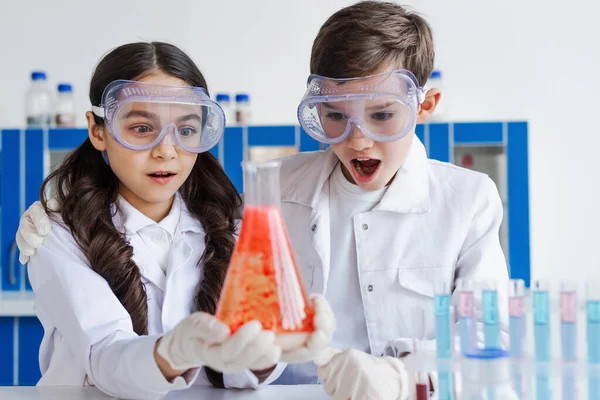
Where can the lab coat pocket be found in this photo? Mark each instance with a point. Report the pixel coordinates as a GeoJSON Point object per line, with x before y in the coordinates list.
{"type": "Point", "coordinates": [308, 265]}
{"type": "Point", "coordinates": [418, 287]}
{"type": "Point", "coordinates": [422, 280]}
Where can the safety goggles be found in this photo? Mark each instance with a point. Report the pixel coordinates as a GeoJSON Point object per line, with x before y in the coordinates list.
{"type": "Point", "coordinates": [141, 115]}
{"type": "Point", "coordinates": [383, 106]}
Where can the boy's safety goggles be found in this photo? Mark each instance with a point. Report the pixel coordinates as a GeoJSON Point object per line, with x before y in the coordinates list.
{"type": "Point", "coordinates": [383, 106]}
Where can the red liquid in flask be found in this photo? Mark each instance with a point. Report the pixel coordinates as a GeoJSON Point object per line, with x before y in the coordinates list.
{"type": "Point", "coordinates": [263, 282]}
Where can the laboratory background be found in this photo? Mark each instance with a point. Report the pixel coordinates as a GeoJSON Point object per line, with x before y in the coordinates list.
{"type": "Point", "coordinates": [519, 102]}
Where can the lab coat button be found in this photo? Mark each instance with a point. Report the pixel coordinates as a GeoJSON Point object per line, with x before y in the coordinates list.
{"type": "Point", "coordinates": [370, 288]}
{"type": "Point", "coordinates": [314, 227]}
{"type": "Point", "coordinates": [365, 227]}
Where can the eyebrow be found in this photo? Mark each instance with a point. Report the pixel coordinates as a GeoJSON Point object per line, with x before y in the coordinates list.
{"type": "Point", "coordinates": [139, 113]}
{"type": "Point", "coordinates": [331, 107]}
{"type": "Point", "coordinates": [372, 108]}
{"type": "Point", "coordinates": [149, 115]}
{"type": "Point", "coordinates": [190, 117]}
{"type": "Point", "coordinates": [380, 106]}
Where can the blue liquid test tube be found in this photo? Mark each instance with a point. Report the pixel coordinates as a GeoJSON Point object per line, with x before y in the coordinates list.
{"type": "Point", "coordinates": [593, 338]}
{"type": "Point", "coordinates": [541, 320]}
{"type": "Point", "coordinates": [465, 313]}
{"type": "Point", "coordinates": [568, 337]}
{"type": "Point", "coordinates": [491, 319]}
{"type": "Point", "coordinates": [445, 384]}
{"type": "Point", "coordinates": [442, 319]}
{"type": "Point", "coordinates": [541, 331]}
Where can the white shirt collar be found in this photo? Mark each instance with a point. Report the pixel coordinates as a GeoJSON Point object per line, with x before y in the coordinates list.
{"type": "Point", "coordinates": [134, 220]}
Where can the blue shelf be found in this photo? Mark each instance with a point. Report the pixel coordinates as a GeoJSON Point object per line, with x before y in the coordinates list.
{"type": "Point", "coordinates": [439, 139]}
{"type": "Point", "coordinates": [479, 133]}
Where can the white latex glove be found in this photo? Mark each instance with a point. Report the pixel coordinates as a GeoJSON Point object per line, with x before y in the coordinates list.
{"type": "Point", "coordinates": [34, 225]}
{"type": "Point", "coordinates": [355, 375]}
{"type": "Point", "coordinates": [298, 348]}
{"type": "Point", "coordinates": [201, 339]}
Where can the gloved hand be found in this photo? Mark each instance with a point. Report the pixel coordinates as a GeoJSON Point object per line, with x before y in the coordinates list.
{"type": "Point", "coordinates": [354, 375]}
{"type": "Point", "coordinates": [34, 225]}
{"type": "Point", "coordinates": [297, 348]}
{"type": "Point", "coordinates": [202, 340]}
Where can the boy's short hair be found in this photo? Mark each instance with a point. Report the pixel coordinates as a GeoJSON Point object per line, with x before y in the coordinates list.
{"type": "Point", "coordinates": [360, 39]}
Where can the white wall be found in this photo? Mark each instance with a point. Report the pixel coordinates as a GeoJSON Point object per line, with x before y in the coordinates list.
{"type": "Point", "coordinates": [527, 59]}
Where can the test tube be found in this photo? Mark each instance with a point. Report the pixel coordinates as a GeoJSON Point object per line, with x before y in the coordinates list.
{"type": "Point", "coordinates": [568, 336]}
{"type": "Point", "coordinates": [442, 318]}
{"type": "Point", "coordinates": [568, 320]}
{"type": "Point", "coordinates": [593, 338]}
{"type": "Point", "coordinates": [541, 331]}
{"type": "Point", "coordinates": [466, 320]}
{"type": "Point", "coordinates": [593, 321]}
{"type": "Point", "coordinates": [445, 390]}
{"type": "Point", "coordinates": [516, 310]}
{"type": "Point", "coordinates": [517, 326]}
{"type": "Point", "coordinates": [491, 320]}
{"type": "Point", "coordinates": [541, 319]}
{"type": "Point", "coordinates": [422, 386]}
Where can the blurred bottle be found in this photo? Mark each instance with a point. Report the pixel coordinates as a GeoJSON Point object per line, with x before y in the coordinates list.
{"type": "Point", "coordinates": [65, 106]}
{"type": "Point", "coordinates": [225, 102]}
{"type": "Point", "coordinates": [243, 111]}
{"type": "Point", "coordinates": [38, 101]}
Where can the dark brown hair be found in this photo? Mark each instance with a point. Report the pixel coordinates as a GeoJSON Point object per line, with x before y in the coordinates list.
{"type": "Point", "coordinates": [85, 188]}
{"type": "Point", "coordinates": [362, 38]}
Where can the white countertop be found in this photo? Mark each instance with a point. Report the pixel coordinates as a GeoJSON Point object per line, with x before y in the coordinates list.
{"type": "Point", "coordinates": [17, 304]}
{"type": "Point", "coordinates": [273, 392]}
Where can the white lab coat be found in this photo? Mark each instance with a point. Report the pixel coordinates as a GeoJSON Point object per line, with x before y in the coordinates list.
{"type": "Point", "coordinates": [435, 221]}
{"type": "Point", "coordinates": [88, 334]}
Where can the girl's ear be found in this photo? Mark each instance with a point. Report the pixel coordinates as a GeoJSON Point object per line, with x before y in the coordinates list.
{"type": "Point", "coordinates": [96, 132]}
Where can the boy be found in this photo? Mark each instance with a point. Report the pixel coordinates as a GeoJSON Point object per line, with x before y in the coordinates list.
{"type": "Point", "coordinates": [373, 222]}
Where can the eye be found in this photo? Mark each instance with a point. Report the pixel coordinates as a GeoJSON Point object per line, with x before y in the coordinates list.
{"type": "Point", "coordinates": [142, 129]}
{"type": "Point", "coordinates": [187, 131]}
{"type": "Point", "coordinates": [382, 116]}
{"type": "Point", "coordinates": [335, 116]}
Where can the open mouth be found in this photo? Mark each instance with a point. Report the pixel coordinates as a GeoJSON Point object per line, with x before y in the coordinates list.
{"type": "Point", "coordinates": [161, 174]}
{"type": "Point", "coordinates": [365, 169]}
{"type": "Point", "coordinates": [162, 177]}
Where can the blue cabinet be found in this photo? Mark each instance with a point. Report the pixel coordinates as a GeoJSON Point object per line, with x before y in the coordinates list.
{"type": "Point", "coordinates": [20, 338]}
{"type": "Point", "coordinates": [6, 351]}
{"type": "Point", "coordinates": [12, 207]}
{"type": "Point", "coordinates": [30, 336]}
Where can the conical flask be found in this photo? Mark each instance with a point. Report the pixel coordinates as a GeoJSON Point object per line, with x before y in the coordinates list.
{"type": "Point", "coordinates": [263, 282]}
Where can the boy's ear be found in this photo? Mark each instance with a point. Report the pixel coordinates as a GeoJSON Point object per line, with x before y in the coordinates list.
{"type": "Point", "coordinates": [432, 98]}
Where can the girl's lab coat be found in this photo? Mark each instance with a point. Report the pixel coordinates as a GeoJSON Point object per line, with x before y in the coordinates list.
{"type": "Point", "coordinates": [436, 221]}
{"type": "Point", "coordinates": [88, 334]}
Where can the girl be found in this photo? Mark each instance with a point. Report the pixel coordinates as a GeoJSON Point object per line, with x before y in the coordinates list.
{"type": "Point", "coordinates": [143, 237]}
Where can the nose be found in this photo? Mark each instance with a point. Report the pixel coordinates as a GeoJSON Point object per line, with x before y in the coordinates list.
{"type": "Point", "coordinates": [358, 141]}
{"type": "Point", "coordinates": [166, 149]}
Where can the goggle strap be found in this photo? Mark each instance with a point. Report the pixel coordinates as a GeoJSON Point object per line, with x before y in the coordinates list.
{"type": "Point", "coordinates": [422, 93]}
{"type": "Point", "coordinates": [98, 111]}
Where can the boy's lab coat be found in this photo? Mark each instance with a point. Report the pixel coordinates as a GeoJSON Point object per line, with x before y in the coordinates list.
{"type": "Point", "coordinates": [435, 222]}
